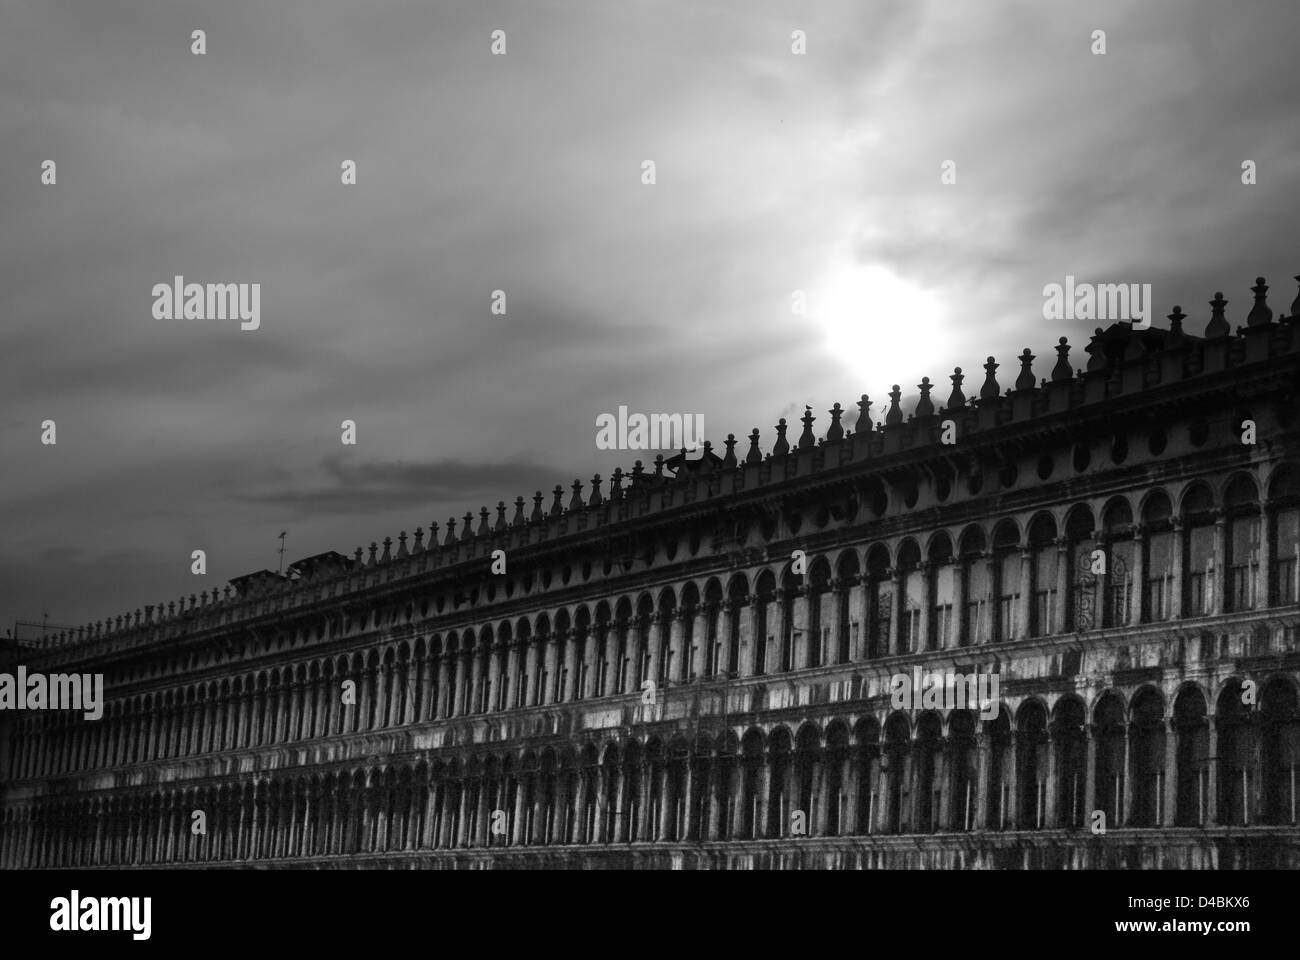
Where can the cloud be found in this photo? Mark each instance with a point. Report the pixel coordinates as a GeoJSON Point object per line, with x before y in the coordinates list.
{"type": "Point", "coordinates": [357, 488]}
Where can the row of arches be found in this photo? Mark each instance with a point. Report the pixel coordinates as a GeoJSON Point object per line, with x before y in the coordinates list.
{"type": "Point", "coordinates": [1193, 557]}
{"type": "Point", "coordinates": [1140, 760]}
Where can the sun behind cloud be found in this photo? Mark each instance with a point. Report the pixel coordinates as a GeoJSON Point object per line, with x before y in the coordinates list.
{"type": "Point", "coordinates": [883, 327]}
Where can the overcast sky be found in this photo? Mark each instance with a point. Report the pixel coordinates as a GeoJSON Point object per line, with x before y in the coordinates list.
{"type": "Point", "coordinates": [775, 172]}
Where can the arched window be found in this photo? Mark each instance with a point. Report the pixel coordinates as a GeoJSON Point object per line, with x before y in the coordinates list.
{"type": "Point", "coordinates": [1147, 759]}
{"type": "Point", "coordinates": [976, 588]}
{"type": "Point", "coordinates": [1032, 748]}
{"type": "Point", "coordinates": [1007, 564]}
{"type": "Point", "coordinates": [1108, 731]}
{"type": "Point", "coordinates": [1071, 747]}
{"type": "Point", "coordinates": [1158, 568]}
{"type": "Point", "coordinates": [1192, 758]}
{"type": "Point", "coordinates": [910, 582]}
{"type": "Point", "coordinates": [879, 602]}
{"type": "Point", "coordinates": [1198, 522]}
{"type": "Point", "coordinates": [1237, 743]}
{"type": "Point", "coordinates": [765, 622]}
{"type": "Point", "coordinates": [820, 600]}
{"type": "Point", "coordinates": [942, 578]}
{"type": "Point", "coordinates": [964, 776]}
{"type": "Point", "coordinates": [1082, 605]}
{"type": "Point", "coordinates": [1284, 530]}
{"type": "Point", "coordinates": [927, 783]}
{"type": "Point", "coordinates": [849, 641]}
{"type": "Point", "coordinates": [1117, 526]}
{"type": "Point", "coordinates": [1241, 503]}
{"type": "Point", "coordinates": [1279, 751]}
{"type": "Point", "coordinates": [893, 770]}
{"type": "Point", "coordinates": [1043, 570]}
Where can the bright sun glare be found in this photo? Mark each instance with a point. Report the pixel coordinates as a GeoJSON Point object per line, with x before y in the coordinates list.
{"type": "Point", "coordinates": [884, 328]}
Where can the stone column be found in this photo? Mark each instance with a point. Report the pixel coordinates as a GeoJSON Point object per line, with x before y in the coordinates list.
{"type": "Point", "coordinates": [621, 822]}
{"type": "Point", "coordinates": [552, 656]}
{"type": "Point", "coordinates": [801, 613]}
{"type": "Point", "coordinates": [1090, 798]}
{"type": "Point", "coordinates": [428, 684]}
{"type": "Point", "coordinates": [494, 676]}
{"type": "Point", "coordinates": [656, 639]}
{"type": "Point", "coordinates": [1025, 594]}
{"type": "Point", "coordinates": [1179, 547]}
{"type": "Point", "coordinates": [1127, 773]}
{"type": "Point", "coordinates": [1139, 575]}
{"type": "Point", "coordinates": [1263, 572]}
{"type": "Point", "coordinates": [700, 634]}
{"type": "Point", "coordinates": [521, 811]}
{"type": "Point", "coordinates": [570, 664]}
{"type": "Point", "coordinates": [1060, 618]}
{"type": "Point", "coordinates": [644, 824]}
{"type": "Point", "coordinates": [1212, 775]}
{"type": "Point", "coordinates": [1219, 582]}
{"type": "Point", "coordinates": [861, 601]}
{"type": "Point", "coordinates": [1170, 786]}
{"type": "Point", "coordinates": [764, 793]}
{"type": "Point", "coordinates": [745, 610]}
{"type": "Point", "coordinates": [960, 630]}
{"type": "Point", "coordinates": [837, 624]}
{"type": "Point", "coordinates": [896, 611]}
{"type": "Point", "coordinates": [482, 815]}
{"type": "Point", "coordinates": [922, 638]}
{"type": "Point", "coordinates": [1050, 816]}
{"type": "Point", "coordinates": [604, 682]}
{"type": "Point", "coordinates": [821, 797]}
{"type": "Point", "coordinates": [475, 681]}
{"type": "Point", "coordinates": [513, 661]}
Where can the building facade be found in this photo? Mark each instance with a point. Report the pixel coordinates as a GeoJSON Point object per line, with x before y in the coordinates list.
{"type": "Point", "coordinates": [695, 666]}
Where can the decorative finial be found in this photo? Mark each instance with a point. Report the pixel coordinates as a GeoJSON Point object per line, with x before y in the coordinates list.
{"type": "Point", "coordinates": [836, 430]}
{"type": "Point", "coordinates": [1260, 314]}
{"type": "Point", "coordinates": [782, 445]}
{"type": "Point", "coordinates": [359, 555]}
{"type": "Point", "coordinates": [374, 549]}
{"type": "Point", "coordinates": [1218, 325]}
{"type": "Point", "coordinates": [401, 545]}
{"type": "Point", "coordinates": [483, 528]}
{"type": "Point", "coordinates": [1096, 355]}
{"type": "Point", "coordinates": [419, 540]}
{"type": "Point", "coordinates": [1062, 369]}
{"type": "Point", "coordinates": [659, 464]}
{"type": "Point", "coordinates": [466, 530]}
{"type": "Point", "coordinates": [806, 439]}
{"type": "Point", "coordinates": [433, 536]}
{"type": "Point", "coordinates": [575, 502]}
{"type": "Point", "coordinates": [638, 470]}
{"type": "Point", "coordinates": [557, 505]}
{"type": "Point", "coordinates": [616, 485]}
{"type": "Point", "coordinates": [754, 455]}
{"type": "Point", "coordinates": [450, 538]}
{"type": "Point", "coordinates": [519, 519]}
{"type": "Point", "coordinates": [595, 499]}
{"type": "Point", "coordinates": [1026, 379]}
{"type": "Point", "coordinates": [537, 513]}
{"type": "Point", "coordinates": [863, 424]}
{"type": "Point", "coordinates": [729, 458]}
{"type": "Point", "coordinates": [990, 389]}
{"type": "Point", "coordinates": [924, 406]}
{"type": "Point", "coordinates": [388, 552]}
{"type": "Point", "coordinates": [894, 414]}
{"type": "Point", "coordinates": [501, 516]}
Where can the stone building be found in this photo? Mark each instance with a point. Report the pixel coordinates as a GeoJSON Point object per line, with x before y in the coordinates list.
{"type": "Point", "coordinates": [691, 667]}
